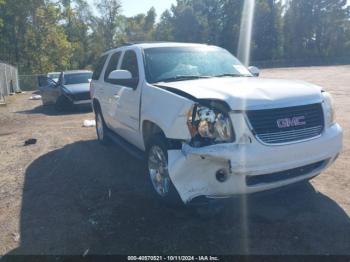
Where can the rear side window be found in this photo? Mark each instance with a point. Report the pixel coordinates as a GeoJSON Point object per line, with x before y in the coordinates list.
{"type": "Point", "coordinates": [112, 65]}
{"type": "Point", "coordinates": [130, 63]}
{"type": "Point", "coordinates": [99, 67]}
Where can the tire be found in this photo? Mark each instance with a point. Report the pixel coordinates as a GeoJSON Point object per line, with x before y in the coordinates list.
{"type": "Point", "coordinates": [101, 128]}
{"type": "Point", "coordinates": [157, 169]}
{"type": "Point", "coordinates": [63, 104]}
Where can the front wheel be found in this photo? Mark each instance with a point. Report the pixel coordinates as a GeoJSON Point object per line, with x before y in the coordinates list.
{"type": "Point", "coordinates": [157, 161]}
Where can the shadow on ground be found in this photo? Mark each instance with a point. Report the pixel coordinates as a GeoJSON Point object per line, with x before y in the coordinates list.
{"type": "Point", "coordinates": [51, 111]}
{"type": "Point", "coordinates": [89, 197]}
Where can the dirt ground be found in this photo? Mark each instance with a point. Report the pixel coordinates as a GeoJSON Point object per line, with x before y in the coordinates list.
{"type": "Point", "coordinates": [69, 195]}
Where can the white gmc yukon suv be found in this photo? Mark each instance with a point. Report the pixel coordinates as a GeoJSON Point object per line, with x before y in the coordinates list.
{"type": "Point", "coordinates": [208, 126]}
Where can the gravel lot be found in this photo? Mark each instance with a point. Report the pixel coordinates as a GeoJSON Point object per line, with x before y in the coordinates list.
{"type": "Point", "coordinates": [69, 195]}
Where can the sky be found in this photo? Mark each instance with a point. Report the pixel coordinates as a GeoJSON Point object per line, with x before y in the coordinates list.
{"type": "Point", "coordinates": [134, 7]}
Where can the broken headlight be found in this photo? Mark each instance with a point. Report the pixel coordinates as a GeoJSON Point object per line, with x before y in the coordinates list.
{"type": "Point", "coordinates": [209, 126]}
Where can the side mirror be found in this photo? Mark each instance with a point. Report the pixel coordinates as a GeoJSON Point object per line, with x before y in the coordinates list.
{"type": "Point", "coordinates": [254, 70]}
{"type": "Point", "coordinates": [45, 81]}
{"type": "Point", "coordinates": [120, 75]}
{"type": "Point", "coordinates": [123, 78]}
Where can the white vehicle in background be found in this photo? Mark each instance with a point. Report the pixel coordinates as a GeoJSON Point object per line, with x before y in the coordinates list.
{"type": "Point", "coordinates": [207, 125]}
{"type": "Point", "coordinates": [54, 76]}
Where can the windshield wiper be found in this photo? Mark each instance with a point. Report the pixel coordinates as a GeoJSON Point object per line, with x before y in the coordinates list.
{"type": "Point", "coordinates": [232, 75]}
{"type": "Point", "coordinates": [182, 78]}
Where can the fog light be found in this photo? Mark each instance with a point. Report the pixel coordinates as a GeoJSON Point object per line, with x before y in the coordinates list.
{"type": "Point", "coordinates": [222, 175]}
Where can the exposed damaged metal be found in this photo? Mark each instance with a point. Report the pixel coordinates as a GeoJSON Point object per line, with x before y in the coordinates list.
{"type": "Point", "coordinates": [219, 170]}
{"type": "Point", "coordinates": [177, 92]}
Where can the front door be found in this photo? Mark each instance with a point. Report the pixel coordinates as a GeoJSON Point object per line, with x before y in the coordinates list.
{"type": "Point", "coordinates": [49, 90]}
{"type": "Point", "coordinates": [127, 100]}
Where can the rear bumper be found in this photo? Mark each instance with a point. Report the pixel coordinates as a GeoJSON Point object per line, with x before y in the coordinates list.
{"type": "Point", "coordinates": [193, 170]}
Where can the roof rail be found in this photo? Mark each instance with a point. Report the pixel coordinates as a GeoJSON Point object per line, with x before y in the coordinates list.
{"type": "Point", "coordinates": [137, 42]}
{"type": "Point", "coordinates": [121, 45]}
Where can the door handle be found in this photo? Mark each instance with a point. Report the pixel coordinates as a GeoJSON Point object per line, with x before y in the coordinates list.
{"type": "Point", "coordinates": [116, 96]}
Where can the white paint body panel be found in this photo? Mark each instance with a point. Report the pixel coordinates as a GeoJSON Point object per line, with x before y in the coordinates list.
{"type": "Point", "coordinates": [194, 176]}
{"type": "Point", "coordinates": [192, 170]}
{"type": "Point", "coordinates": [169, 111]}
{"type": "Point", "coordinates": [243, 93]}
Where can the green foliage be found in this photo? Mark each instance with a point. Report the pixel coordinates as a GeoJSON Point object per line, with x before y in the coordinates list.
{"type": "Point", "coordinates": [76, 23]}
{"type": "Point", "coordinates": [141, 27]}
{"type": "Point", "coordinates": [46, 46]}
{"type": "Point", "coordinates": [32, 37]}
{"type": "Point", "coordinates": [165, 29]}
{"type": "Point", "coordinates": [2, 2]}
{"type": "Point", "coordinates": [316, 28]}
{"type": "Point", "coordinates": [51, 35]}
{"type": "Point", "coordinates": [303, 29]}
{"type": "Point", "coordinates": [267, 35]}
{"type": "Point", "coordinates": [231, 19]}
{"type": "Point", "coordinates": [109, 21]}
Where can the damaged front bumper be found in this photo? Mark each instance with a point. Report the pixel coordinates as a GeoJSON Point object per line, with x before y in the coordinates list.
{"type": "Point", "coordinates": [250, 166]}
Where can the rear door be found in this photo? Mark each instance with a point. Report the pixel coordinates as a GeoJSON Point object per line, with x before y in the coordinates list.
{"type": "Point", "coordinates": [97, 83]}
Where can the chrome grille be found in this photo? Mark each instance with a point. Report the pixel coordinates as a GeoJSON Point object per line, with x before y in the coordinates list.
{"type": "Point", "coordinates": [81, 96]}
{"type": "Point", "coordinates": [265, 123]}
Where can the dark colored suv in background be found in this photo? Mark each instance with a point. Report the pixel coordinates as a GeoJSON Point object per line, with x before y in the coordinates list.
{"type": "Point", "coordinates": [72, 88]}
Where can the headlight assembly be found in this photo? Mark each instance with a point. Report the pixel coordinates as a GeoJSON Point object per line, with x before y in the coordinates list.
{"type": "Point", "coordinates": [209, 126]}
{"type": "Point", "coordinates": [329, 109]}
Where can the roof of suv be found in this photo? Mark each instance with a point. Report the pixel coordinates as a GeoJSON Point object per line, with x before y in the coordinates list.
{"type": "Point", "coordinates": [165, 44]}
{"type": "Point", "coordinates": [145, 45]}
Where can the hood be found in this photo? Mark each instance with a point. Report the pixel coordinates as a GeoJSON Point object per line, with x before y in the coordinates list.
{"type": "Point", "coordinates": [250, 92]}
{"type": "Point", "coordinates": [78, 88]}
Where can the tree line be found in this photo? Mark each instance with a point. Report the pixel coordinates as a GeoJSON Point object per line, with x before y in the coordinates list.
{"type": "Point", "coordinates": [50, 35]}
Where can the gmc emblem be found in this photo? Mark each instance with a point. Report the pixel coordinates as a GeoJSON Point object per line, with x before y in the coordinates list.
{"type": "Point", "coordinates": [291, 122]}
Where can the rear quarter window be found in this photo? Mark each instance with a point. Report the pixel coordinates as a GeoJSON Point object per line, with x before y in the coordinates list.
{"type": "Point", "coordinates": [99, 67]}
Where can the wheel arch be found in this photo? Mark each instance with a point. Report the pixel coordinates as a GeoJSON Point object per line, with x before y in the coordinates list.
{"type": "Point", "coordinates": [96, 105]}
{"type": "Point", "coordinates": [150, 129]}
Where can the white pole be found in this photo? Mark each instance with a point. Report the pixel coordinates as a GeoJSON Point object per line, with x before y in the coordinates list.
{"type": "Point", "coordinates": [17, 80]}
{"type": "Point", "coordinates": [245, 35]}
{"type": "Point", "coordinates": [1, 86]}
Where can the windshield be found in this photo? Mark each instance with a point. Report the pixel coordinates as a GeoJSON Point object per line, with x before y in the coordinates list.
{"type": "Point", "coordinates": [79, 78]}
{"type": "Point", "coordinates": [54, 76]}
{"type": "Point", "coordinates": [181, 63]}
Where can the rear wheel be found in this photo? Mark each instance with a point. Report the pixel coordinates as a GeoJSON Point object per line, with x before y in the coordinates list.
{"type": "Point", "coordinates": [157, 162]}
{"type": "Point", "coordinates": [101, 128]}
